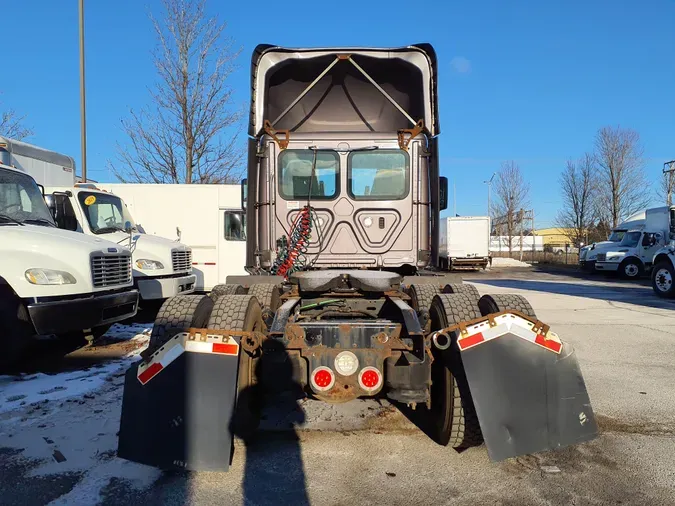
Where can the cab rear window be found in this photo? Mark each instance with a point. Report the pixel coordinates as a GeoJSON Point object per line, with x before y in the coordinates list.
{"type": "Point", "coordinates": [379, 175]}
{"type": "Point", "coordinates": [295, 174]}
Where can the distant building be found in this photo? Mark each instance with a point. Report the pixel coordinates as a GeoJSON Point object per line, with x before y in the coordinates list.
{"type": "Point", "coordinates": [556, 239]}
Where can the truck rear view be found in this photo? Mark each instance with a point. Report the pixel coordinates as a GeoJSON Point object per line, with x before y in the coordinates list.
{"type": "Point", "coordinates": [343, 199]}
{"type": "Point", "coordinates": [465, 242]}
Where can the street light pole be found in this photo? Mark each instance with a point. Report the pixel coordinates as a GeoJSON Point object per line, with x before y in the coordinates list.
{"type": "Point", "coordinates": [83, 107]}
{"type": "Point", "coordinates": [489, 183]}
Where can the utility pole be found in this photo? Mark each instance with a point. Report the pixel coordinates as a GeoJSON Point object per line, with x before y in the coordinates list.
{"type": "Point", "coordinates": [534, 237]}
{"type": "Point", "coordinates": [669, 169]}
{"type": "Point", "coordinates": [83, 108]}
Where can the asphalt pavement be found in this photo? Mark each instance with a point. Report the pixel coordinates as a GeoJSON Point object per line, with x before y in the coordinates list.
{"type": "Point", "coordinates": [365, 453]}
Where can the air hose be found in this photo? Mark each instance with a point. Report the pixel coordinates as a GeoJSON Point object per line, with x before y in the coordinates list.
{"type": "Point", "coordinates": [291, 252]}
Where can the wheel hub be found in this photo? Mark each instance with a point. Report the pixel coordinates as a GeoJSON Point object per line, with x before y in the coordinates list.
{"type": "Point", "coordinates": [664, 280]}
{"type": "Point", "coordinates": [631, 270]}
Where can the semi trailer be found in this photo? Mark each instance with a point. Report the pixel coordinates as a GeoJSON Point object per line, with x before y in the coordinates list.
{"type": "Point", "coordinates": [343, 297]}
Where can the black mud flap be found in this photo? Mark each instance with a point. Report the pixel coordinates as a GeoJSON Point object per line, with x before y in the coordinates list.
{"type": "Point", "coordinates": [180, 419]}
{"type": "Point", "coordinates": [528, 399]}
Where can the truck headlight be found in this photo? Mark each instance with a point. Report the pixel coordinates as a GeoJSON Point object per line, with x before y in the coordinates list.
{"type": "Point", "coordinates": [49, 277]}
{"type": "Point", "coordinates": [149, 265]}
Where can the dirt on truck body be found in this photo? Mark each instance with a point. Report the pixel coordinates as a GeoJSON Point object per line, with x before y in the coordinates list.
{"type": "Point", "coordinates": [343, 198]}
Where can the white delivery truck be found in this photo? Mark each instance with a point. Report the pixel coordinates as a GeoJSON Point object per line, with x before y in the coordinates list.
{"type": "Point", "coordinates": [588, 254]}
{"type": "Point", "coordinates": [663, 271]}
{"type": "Point", "coordinates": [213, 224]}
{"type": "Point", "coordinates": [161, 267]}
{"type": "Point", "coordinates": [633, 255]}
{"type": "Point", "coordinates": [54, 281]}
{"type": "Point", "coordinates": [464, 242]}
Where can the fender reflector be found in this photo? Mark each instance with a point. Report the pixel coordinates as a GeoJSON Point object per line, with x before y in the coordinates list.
{"type": "Point", "coordinates": [180, 343]}
{"type": "Point", "coordinates": [479, 333]}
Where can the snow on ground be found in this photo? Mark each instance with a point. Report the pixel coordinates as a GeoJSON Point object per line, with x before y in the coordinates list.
{"type": "Point", "coordinates": [68, 422]}
{"type": "Point", "coordinates": [126, 332]}
{"type": "Point", "coordinates": [508, 262]}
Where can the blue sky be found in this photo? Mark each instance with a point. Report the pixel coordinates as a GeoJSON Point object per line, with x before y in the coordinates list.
{"type": "Point", "coordinates": [522, 80]}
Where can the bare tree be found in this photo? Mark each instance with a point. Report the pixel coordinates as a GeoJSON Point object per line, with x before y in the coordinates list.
{"type": "Point", "coordinates": [511, 196]}
{"type": "Point", "coordinates": [667, 184]}
{"type": "Point", "coordinates": [12, 125]}
{"type": "Point", "coordinates": [579, 191]}
{"type": "Point", "coordinates": [190, 132]}
{"type": "Point", "coordinates": [623, 187]}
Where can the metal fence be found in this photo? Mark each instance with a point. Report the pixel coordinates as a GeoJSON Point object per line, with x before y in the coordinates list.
{"type": "Point", "coordinates": [542, 257]}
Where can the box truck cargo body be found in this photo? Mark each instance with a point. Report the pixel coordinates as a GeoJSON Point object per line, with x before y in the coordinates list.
{"type": "Point", "coordinates": [465, 242]}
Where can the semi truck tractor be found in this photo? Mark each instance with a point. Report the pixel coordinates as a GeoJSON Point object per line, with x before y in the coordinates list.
{"type": "Point", "coordinates": [343, 299]}
{"type": "Point", "coordinates": [161, 267]}
{"type": "Point", "coordinates": [52, 281]}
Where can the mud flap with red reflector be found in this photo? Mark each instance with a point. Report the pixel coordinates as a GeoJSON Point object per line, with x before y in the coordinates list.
{"type": "Point", "coordinates": [178, 405]}
{"type": "Point", "coordinates": [526, 386]}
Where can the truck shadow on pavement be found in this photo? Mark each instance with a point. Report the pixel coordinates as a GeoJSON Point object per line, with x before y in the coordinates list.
{"type": "Point", "coordinates": [638, 295]}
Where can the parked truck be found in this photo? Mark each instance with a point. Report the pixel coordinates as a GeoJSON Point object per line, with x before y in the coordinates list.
{"type": "Point", "coordinates": [633, 255]}
{"type": "Point", "coordinates": [343, 212]}
{"type": "Point", "coordinates": [588, 254]}
{"type": "Point", "coordinates": [213, 226]}
{"type": "Point", "coordinates": [464, 242]}
{"type": "Point", "coordinates": [161, 267]}
{"type": "Point", "coordinates": [54, 281]}
{"type": "Point", "coordinates": [663, 271]}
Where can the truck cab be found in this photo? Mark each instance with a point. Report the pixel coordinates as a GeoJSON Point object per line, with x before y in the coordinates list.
{"type": "Point", "coordinates": [663, 272]}
{"type": "Point", "coordinates": [54, 281]}
{"type": "Point", "coordinates": [161, 268]}
{"type": "Point", "coordinates": [588, 254]}
{"type": "Point", "coordinates": [633, 255]}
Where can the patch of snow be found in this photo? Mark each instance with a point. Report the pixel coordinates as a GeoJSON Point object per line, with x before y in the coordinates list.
{"type": "Point", "coordinates": [126, 332]}
{"type": "Point", "coordinates": [507, 262]}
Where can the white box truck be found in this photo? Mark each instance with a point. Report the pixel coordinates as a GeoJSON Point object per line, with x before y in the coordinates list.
{"type": "Point", "coordinates": [162, 268]}
{"type": "Point", "coordinates": [588, 254]}
{"type": "Point", "coordinates": [54, 281]}
{"type": "Point", "coordinates": [633, 255]}
{"type": "Point", "coordinates": [213, 224]}
{"type": "Point", "coordinates": [464, 242]}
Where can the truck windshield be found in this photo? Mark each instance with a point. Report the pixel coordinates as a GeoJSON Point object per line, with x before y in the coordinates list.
{"type": "Point", "coordinates": [105, 212]}
{"type": "Point", "coordinates": [379, 175]}
{"type": "Point", "coordinates": [21, 200]}
{"type": "Point", "coordinates": [631, 239]}
{"type": "Point", "coordinates": [616, 235]}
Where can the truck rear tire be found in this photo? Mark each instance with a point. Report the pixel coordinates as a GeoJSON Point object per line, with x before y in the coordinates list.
{"type": "Point", "coordinates": [220, 290]}
{"type": "Point", "coordinates": [489, 304]}
{"type": "Point", "coordinates": [268, 295]}
{"type": "Point", "coordinates": [663, 275]}
{"type": "Point", "coordinates": [242, 312]}
{"type": "Point", "coordinates": [176, 315]}
{"type": "Point", "coordinates": [464, 288]}
{"type": "Point", "coordinates": [454, 421]}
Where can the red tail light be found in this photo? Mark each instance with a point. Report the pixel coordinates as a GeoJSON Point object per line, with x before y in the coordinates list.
{"type": "Point", "coordinates": [370, 379]}
{"type": "Point", "coordinates": [322, 379]}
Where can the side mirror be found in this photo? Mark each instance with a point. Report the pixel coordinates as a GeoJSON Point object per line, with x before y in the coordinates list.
{"type": "Point", "coordinates": [127, 227]}
{"type": "Point", "coordinates": [244, 193]}
{"type": "Point", "coordinates": [443, 192]}
{"type": "Point", "coordinates": [51, 204]}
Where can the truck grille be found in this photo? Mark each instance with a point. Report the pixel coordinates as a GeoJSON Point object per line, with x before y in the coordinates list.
{"type": "Point", "coordinates": [111, 270]}
{"type": "Point", "coordinates": [181, 260]}
{"type": "Point", "coordinates": [601, 257]}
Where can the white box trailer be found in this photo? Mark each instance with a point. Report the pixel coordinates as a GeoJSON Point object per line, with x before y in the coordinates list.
{"type": "Point", "coordinates": [48, 168]}
{"type": "Point", "coordinates": [464, 242]}
{"type": "Point", "coordinates": [207, 217]}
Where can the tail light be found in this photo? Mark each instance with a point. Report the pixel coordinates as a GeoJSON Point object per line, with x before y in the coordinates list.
{"type": "Point", "coordinates": [370, 379]}
{"type": "Point", "coordinates": [322, 379]}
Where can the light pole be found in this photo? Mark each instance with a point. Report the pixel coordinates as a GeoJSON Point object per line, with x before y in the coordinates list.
{"type": "Point", "coordinates": [83, 108]}
{"type": "Point", "coordinates": [489, 183]}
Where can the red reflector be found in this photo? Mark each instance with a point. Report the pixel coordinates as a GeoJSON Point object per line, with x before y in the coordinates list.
{"type": "Point", "coordinates": [148, 374]}
{"type": "Point", "coordinates": [470, 341]}
{"type": "Point", "coordinates": [548, 343]}
{"type": "Point", "coordinates": [370, 378]}
{"type": "Point", "coordinates": [225, 348]}
{"type": "Point", "coordinates": [323, 378]}
{"type": "Point", "coordinates": [209, 263]}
